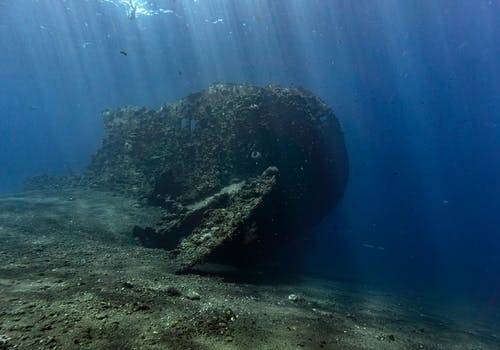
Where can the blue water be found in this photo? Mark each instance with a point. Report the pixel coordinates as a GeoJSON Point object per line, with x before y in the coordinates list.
{"type": "Point", "coordinates": [415, 84]}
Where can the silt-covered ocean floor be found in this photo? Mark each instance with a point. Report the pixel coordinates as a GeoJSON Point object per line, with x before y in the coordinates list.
{"type": "Point", "coordinates": [72, 277]}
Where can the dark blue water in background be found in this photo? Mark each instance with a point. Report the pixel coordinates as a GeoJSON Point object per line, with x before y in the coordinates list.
{"type": "Point", "coordinates": [414, 83]}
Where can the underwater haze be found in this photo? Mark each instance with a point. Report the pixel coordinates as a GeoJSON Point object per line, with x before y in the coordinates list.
{"type": "Point", "coordinates": [415, 85]}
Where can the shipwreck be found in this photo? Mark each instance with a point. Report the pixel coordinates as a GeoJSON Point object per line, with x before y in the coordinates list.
{"type": "Point", "coordinates": [237, 170]}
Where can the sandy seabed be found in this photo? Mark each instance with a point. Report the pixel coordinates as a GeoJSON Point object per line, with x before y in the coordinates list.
{"type": "Point", "coordinates": [71, 277]}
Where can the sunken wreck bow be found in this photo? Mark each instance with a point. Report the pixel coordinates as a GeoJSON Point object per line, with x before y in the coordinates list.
{"type": "Point", "coordinates": [238, 169]}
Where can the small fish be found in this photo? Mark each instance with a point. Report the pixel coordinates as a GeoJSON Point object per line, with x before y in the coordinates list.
{"type": "Point", "coordinates": [371, 246]}
{"type": "Point", "coordinates": [124, 53]}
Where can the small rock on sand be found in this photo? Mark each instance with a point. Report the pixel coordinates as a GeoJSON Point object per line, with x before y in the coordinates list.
{"type": "Point", "coordinates": [295, 298]}
{"type": "Point", "coordinates": [192, 295]}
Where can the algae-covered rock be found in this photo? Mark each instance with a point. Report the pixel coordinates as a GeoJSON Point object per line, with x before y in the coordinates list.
{"type": "Point", "coordinates": [238, 169]}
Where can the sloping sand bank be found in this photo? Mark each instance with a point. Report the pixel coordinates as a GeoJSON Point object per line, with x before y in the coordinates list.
{"type": "Point", "coordinates": [71, 277]}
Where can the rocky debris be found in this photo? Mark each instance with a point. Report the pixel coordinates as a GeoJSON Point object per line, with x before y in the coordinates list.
{"type": "Point", "coordinates": [4, 342]}
{"type": "Point", "coordinates": [239, 170]}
